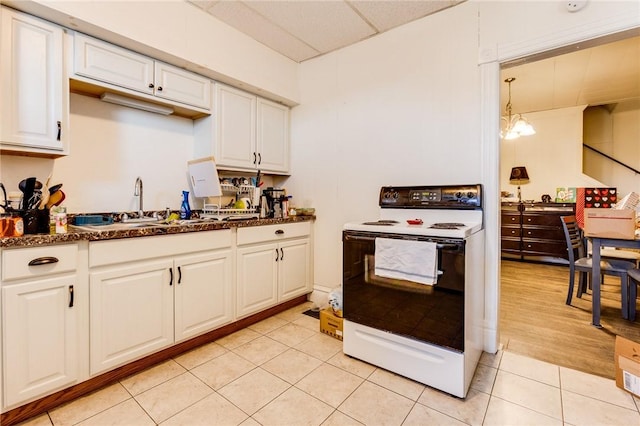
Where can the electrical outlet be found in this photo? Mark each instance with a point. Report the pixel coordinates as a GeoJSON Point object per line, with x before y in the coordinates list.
{"type": "Point", "coordinates": [576, 5]}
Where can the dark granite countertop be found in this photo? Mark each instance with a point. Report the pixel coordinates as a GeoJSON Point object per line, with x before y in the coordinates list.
{"type": "Point", "coordinates": [82, 234]}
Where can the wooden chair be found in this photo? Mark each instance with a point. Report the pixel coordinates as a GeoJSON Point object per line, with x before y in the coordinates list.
{"type": "Point", "coordinates": [578, 261]}
{"type": "Point", "coordinates": [634, 282]}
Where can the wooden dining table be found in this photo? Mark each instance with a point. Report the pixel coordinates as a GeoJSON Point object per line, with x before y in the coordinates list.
{"type": "Point", "coordinates": [597, 243]}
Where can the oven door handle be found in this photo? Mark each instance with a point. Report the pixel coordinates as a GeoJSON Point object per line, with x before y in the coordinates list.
{"type": "Point", "coordinates": [439, 246]}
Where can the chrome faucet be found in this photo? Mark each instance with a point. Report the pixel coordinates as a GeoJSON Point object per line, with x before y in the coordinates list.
{"type": "Point", "coordinates": [137, 191]}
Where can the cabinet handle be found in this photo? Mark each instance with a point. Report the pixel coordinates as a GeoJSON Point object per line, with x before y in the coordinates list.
{"type": "Point", "coordinates": [43, 261]}
{"type": "Point", "coordinates": [281, 254]}
{"type": "Point", "coordinates": [159, 88]}
{"type": "Point", "coordinates": [170, 276]}
{"type": "Point", "coordinates": [151, 86]}
{"type": "Point", "coordinates": [254, 158]}
{"type": "Point", "coordinates": [276, 255]}
{"type": "Point", "coordinates": [179, 275]}
{"type": "Point", "coordinates": [279, 232]}
{"type": "Point", "coordinates": [59, 130]}
{"type": "Point", "coordinates": [71, 296]}
{"type": "Point", "coordinates": [259, 159]}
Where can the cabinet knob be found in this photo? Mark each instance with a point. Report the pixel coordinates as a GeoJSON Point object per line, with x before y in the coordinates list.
{"type": "Point", "coordinates": [159, 88]}
{"type": "Point", "coordinates": [279, 232]}
{"type": "Point", "coordinates": [151, 86]}
{"type": "Point", "coordinates": [59, 131]}
{"type": "Point", "coordinates": [71, 296]}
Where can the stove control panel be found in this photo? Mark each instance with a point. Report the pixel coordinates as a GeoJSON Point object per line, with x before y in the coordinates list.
{"type": "Point", "coordinates": [424, 197]}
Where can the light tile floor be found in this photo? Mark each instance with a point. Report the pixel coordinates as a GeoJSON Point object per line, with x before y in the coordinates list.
{"type": "Point", "coordinates": [283, 371]}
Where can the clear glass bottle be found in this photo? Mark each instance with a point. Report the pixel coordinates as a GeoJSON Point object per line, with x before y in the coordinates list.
{"type": "Point", "coordinates": [185, 209]}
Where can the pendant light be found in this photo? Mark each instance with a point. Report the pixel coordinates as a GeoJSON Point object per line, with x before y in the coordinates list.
{"type": "Point", "coordinates": [516, 125]}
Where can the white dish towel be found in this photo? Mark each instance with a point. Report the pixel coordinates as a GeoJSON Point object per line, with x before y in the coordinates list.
{"type": "Point", "coordinates": [415, 261]}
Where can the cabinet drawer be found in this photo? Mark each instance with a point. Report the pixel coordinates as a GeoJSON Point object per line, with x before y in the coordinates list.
{"type": "Point", "coordinates": [261, 234]}
{"type": "Point", "coordinates": [543, 248]}
{"type": "Point", "coordinates": [542, 219]}
{"type": "Point", "coordinates": [135, 249]}
{"type": "Point", "coordinates": [509, 231]}
{"type": "Point", "coordinates": [508, 244]}
{"type": "Point", "coordinates": [45, 261]}
{"type": "Point", "coordinates": [510, 218]}
{"type": "Point", "coordinates": [544, 234]}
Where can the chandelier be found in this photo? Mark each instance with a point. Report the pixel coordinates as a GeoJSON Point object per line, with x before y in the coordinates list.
{"type": "Point", "coordinates": [514, 125]}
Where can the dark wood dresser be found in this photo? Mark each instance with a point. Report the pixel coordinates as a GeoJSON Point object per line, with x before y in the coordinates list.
{"type": "Point", "coordinates": [533, 231]}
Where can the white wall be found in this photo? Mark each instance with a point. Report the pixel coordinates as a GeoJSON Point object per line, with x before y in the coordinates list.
{"type": "Point", "coordinates": [553, 156]}
{"type": "Point", "coordinates": [111, 146]}
{"type": "Point", "coordinates": [615, 131]}
{"type": "Point", "coordinates": [397, 109]}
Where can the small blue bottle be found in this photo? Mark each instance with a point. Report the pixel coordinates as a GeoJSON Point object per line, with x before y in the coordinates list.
{"type": "Point", "coordinates": [185, 209]}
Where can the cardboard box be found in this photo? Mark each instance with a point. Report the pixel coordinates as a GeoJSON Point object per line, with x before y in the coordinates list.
{"type": "Point", "coordinates": [610, 223]}
{"type": "Point", "coordinates": [330, 324]}
{"type": "Point", "coordinates": [627, 362]}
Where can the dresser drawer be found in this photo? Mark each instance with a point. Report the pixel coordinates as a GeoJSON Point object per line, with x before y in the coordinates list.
{"type": "Point", "coordinates": [542, 220]}
{"type": "Point", "coordinates": [509, 231]}
{"type": "Point", "coordinates": [509, 218]}
{"type": "Point", "coordinates": [543, 248]}
{"type": "Point", "coordinates": [510, 245]}
{"type": "Point", "coordinates": [38, 261]}
{"type": "Point", "coordinates": [543, 233]}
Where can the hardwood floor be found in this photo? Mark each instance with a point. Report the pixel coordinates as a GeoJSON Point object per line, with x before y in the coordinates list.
{"type": "Point", "coordinates": [536, 322]}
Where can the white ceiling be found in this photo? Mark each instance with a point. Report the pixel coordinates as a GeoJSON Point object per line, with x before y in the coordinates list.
{"type": "Point", "coordinates": [304, 29]}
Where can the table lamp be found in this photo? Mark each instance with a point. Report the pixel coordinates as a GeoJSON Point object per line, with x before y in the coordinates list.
{"type": "Point", "coordinates": [518, 177]}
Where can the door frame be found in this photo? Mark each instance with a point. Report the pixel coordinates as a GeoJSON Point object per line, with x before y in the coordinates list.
{"type": "Point", "coordinates": [491, 59]}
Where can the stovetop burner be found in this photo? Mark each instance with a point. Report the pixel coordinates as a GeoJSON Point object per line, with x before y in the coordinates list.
{"type": "Point", "coordinates": [382, 222]}
{"type": "Point", "coordinates": [447, 225]}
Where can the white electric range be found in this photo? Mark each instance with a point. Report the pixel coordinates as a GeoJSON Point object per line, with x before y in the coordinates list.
{"type": "Point", "coordinates": [430, 333]}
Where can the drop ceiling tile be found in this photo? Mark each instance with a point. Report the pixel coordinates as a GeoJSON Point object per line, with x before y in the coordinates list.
{"type": "Point", "coordinates": [202, 4]}
{"type": "Point", "coordinates": [248, 21]}
{"type": "Point", "coordinates": [324, 25]}
{"type": "Point", "coordinates": [384, 15]}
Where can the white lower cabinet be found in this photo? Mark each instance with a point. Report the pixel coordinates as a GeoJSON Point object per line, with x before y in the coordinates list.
{"type": "Point", "coordinates": [139, 306]}
{"type": "Point", "coordinates": [203, 293]}
{"type": "Point", "coordinates": [131, 312]}
{"type": "Point", "coordinates": [273, 265]}
{"type": "Point", "coordinates": [41, 347]}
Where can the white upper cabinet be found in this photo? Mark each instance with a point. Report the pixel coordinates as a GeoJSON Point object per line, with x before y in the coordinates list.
{"type": "Point", "coordinates": [272, 134]}
{"type": "Point", "coordinates": [123, 69]}
{"type": "Point", "coordinates": [112, 64]}
{"type": "Point", "coordinates": [236, 130]}
{"type": "Point", "coordinates": [34, 100]}
{"type": "Point", "coordinates": [245, 133]}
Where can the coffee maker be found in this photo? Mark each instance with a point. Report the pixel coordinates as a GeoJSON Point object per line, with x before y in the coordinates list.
{"type": "Point", "coordinates": [272, 202]}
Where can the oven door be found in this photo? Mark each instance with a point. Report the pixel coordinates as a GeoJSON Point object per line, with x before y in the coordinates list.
{"type": "Point", "coordinates": [428, 313]}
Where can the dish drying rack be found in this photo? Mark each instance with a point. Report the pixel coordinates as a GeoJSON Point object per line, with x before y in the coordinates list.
{"type": "Point", "coordinates": [218, 212]}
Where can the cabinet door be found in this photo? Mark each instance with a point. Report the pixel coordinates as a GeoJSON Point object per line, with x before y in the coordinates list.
{"type": "Point", "coordinates": [34, 101]}
{"type": "Point", "coordinates": [293, 269]}
{"type": "Point", "coordinates": [257, 276]}
{"type": "Point", "coordinates": [131, 312]}
{"type": "Point", "coordinates": [203, 293]}
{"type": "Point", "coordinates": [272, 136]}
{"type": "Point", "coordinates": [103, 61]}
{"type": "Point", "coordinates": [178, 85]}
{"type": "Point", "coordinates": [40, 347]}
{"type": "Point", "coordinates": [236, 124]}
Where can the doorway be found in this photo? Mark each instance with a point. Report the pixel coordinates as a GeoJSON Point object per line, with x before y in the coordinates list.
{"type": "Point", "coordinates": [528, 289]}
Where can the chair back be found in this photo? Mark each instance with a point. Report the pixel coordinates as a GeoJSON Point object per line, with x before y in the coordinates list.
{"type": "Point", "coordinates": [573, 237]}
